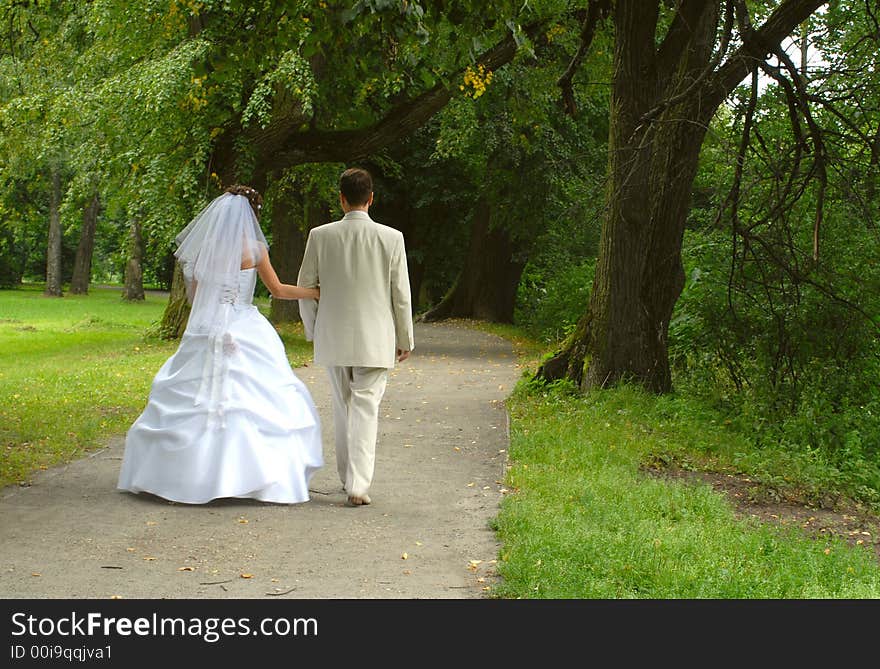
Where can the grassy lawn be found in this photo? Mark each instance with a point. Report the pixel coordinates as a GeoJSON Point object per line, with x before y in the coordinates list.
{"type": "Point", "coordinates": [77, 370]}
{"type": "Point", "coordinates": [583, 520]}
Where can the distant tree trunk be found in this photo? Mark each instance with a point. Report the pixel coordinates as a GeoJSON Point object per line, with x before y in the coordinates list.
{"type": "Point", "coordinates": [487, 284]}
{"type": "Point", "coordinates": [177, 311]}
{"type": "Point", "coordinates": [399, 213]}
{"type": "Point", "coordinates": [292, 216]}
{"type": "Point", "coordinates": [82, 265]}
{"type": "Point", "coordinates": [662, 101]}
{"type": "Point", "coordinates": [416, 277]}
{"type": "Point", "coordinates": [134, 273]}
{"type": "Point", "coordinates": [53, 254]}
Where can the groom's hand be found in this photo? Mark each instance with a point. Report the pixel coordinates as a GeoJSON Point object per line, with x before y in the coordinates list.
{"type": "Point", "coordinates": [402, 355]}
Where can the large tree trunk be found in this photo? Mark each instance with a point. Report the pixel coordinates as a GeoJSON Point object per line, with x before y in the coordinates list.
{"type": "Point", "coordinates": [177, 312]}
{"type": "Point", "coordinates": [639, 276]}
{"type": "Point", "coordinates": [398, 213]}
{"type": "Point", "coordinates": [82, 265]}
{"type": "Point", "coordinates": [662, 101]}
{"type": "Point", "coordinates": [133, 290]}
{"type": "Point", "coordinates": [53, 252]}
{"type": "Point", "coordinates": [486, 286]}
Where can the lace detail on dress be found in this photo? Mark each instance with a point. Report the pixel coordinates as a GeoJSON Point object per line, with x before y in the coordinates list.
{"type": "Point", "coordinates": [221, 347]}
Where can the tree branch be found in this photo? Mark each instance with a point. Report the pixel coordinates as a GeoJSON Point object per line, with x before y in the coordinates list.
{"type": "Point", "coordinates": [872, 16]}
{"type": "Point", "coordinates": [757, 45]}
{"type": "Point", "coordinates": [734, 195]}
{"type": "Point", "coordinates": [798, 277]}
{"type": "Point", "coordinates": [351, 144]}
{"type": "Point", "coordinates": [818, 145]}
{"type": "Point", "coordinates": [596, 10]}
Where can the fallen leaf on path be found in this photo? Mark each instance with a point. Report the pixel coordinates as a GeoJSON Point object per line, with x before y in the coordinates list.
{"type": "Point", "coordinates": [473, 564]}
{"type": "Point", "coordinates": [130, 550]}
{"type": "Point", "coordinates": [246, 575]}
{"type": "Point", "coordinates": [186, 569]}
{"type": "Point", "coordinates": [149, 558]}
{"type": "Point", "coordinates": [115, 596]}
{"type": "Point", "coordinates": [243, 520]}
{"type": "Point", "coordinates": [36, 574]}
{"type": "Point", "coordinates": [404, 556]}
{"type": "Point", "coordinates": [151, 522]}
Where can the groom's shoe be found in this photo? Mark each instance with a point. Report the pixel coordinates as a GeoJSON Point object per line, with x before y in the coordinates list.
{"type": "Point", "coordinates": [358, 500]}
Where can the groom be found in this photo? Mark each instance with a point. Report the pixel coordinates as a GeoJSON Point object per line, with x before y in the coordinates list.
{"type": "Point", "coordinates": [362, 324]}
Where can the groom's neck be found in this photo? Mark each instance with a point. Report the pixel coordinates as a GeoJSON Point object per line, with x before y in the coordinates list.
{"type": "Point", "coordinates": [347, 206]}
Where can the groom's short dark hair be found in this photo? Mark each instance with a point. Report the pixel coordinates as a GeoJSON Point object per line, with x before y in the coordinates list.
{"type": "Point", "coordinates": [356, 184]}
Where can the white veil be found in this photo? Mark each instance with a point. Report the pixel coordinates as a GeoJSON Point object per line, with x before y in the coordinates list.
{"type": "Point", "coordinates": [224, 238]}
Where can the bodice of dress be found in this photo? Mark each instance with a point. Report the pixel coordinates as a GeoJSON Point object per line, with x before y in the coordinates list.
{"type": "Point", "coordinates": [222, 345]}
{"type": "Point", "coordinates": [247, 282]}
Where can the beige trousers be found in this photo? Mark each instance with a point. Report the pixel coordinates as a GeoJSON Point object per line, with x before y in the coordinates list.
{"type": "Point", "coordinates": [357, 393]}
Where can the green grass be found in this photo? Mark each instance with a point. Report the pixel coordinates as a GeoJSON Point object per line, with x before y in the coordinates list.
{"type": "Point", "coordinates": [77, 370]}
{"type": "Point", "coordinates": [584, 522]}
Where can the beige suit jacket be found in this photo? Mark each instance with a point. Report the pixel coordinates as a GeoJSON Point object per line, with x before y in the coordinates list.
{"type": "Point", "coordinates": [365, 312]}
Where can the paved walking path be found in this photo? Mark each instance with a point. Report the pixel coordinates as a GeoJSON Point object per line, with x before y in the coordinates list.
{"type": "Point", "coordinates": [439, 470]}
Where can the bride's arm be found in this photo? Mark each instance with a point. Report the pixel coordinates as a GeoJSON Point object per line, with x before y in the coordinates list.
{"type": "Point", "coordinates": [282, 291]}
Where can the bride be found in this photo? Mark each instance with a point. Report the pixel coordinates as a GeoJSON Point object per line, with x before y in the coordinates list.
{"type": "Point", "coordinates": [226, 415]}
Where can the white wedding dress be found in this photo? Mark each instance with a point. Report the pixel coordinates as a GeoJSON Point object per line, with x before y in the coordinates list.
{"type": "Point", "coordinates": [265, 441]}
